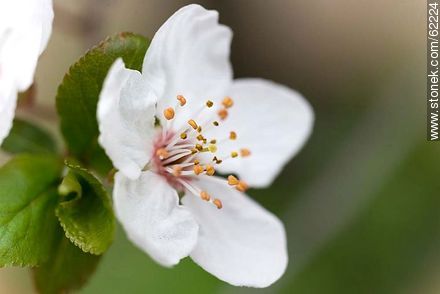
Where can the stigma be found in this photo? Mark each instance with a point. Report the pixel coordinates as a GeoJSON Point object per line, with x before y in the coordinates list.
{"type": "Point", "coordinates": [184, 156]}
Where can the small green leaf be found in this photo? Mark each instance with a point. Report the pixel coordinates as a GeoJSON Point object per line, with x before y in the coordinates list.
{"type": "Point", "coordinates": [78, 94]}
{"type": "Point", "coordinates": [28, 138]}
{"type": "Point", "coordinates": [85, 211]}
{"type": "Point", "coordinates": [28, 197]}
{"type": "Point", "coordinates": [68, 267]}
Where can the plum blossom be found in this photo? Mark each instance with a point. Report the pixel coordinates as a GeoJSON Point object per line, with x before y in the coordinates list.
{"type": "Point", "coordinates": [170, 129]}
{"type": "Point", "coordinates": [25, 28]}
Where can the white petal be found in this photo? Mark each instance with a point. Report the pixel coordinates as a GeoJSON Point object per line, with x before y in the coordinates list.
{"type": "Point", "coordinates": [148, 209]}
{"type": "Point", "coordinates": [272, 121]}
{"type": "Point", "coordinates": [189, 55]}
{"type": "Point", "coordinates": [242, 243]}
{"type": "Point", "coordinates": [125, 114]}
{"type": "Point", "coordinates": [25, 27]}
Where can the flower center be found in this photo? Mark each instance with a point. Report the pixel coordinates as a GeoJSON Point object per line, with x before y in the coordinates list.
{"type": "Point", "coordinates": [185, 156]}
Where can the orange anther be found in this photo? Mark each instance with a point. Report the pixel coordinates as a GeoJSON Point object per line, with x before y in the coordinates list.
{"type": "Point", "coordinates": [205, 196]}
{"type": "Point", "coordinates": [232, 135]}
{"type": "Point", "coordinates": [241, 186]}
{"type": "Point", "coordinates": [168, 113]}
{"type": "Point", "coordinates": [223, 113]}
{"type": "Point", "coordinates": [182, 100]}
{"type": "Point", "coordinates": [193, 124]}
{"type": "Point", "coordinates": [162, 153]}
{"type": "Point", "coordinates": [228, 102]}
{"type": "Point", "coordinates": [245, 152]}
{"type": "Point", "coordinates": [209, 170]}
{"type": "Point", "coordinates": [217, 203]}
{"type": "Point", "coordinates": [198, 169]}
{"type": "Point", "coordinates": [232, 180]}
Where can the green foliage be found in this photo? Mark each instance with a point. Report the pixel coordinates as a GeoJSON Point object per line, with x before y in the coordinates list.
{"type": "Point", "coordinates": [68, 267]}
{"type": "Point", "coordinates": [78, 94]}
{"type": "Point", "coordinates": [28, 138]}
{"type": "Point", "coordinates": [28, 197]}
{"type": "Point", "coordinates": [85, 211]}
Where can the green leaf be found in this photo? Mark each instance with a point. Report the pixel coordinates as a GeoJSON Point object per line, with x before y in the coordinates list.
{"type": "Point", "coordinates": [78, 93]}
{"type": "Point", "coordinates": [28, 197]}
{"type": "Point", "coordinates": [86, 212]}
{"type": "Point", "coordinates": [28, 138]}
{"type": "Point", "coordinates": [68, 267]}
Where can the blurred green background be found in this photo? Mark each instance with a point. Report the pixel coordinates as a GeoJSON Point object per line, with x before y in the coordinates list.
{"type": "Point", "coordinates": [361, 202]}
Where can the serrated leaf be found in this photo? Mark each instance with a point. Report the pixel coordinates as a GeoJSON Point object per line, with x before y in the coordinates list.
{"type": "Point", "coordinates": [78, 94]}
{"type": "Point", "coordinates": [85, 213]}
{"type": "Point", "coordinates": [28, 138]}
{"type": "Point", "coordinates": [68, 267]}
{"type": "Point", "coordinates": [28, 197]}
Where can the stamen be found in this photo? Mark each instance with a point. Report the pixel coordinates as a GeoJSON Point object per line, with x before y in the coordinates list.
{"type": "Point", "coordinates": [205, 196]}
{"type": "Point", "coordinates": [198, 169]}
{"type": "Point", "coordinates": [169, 113]}
{"type": "Point", "coordinates": [199, 147]}
{"type": "Point", "coordinates": [215, 123]}
{"type": "Point", "coordinates": [162, 153]}
{"type": "Point", "coordinates": [232, 180]}
{"type": "Point", "coordinates": [228, 102]}
{"type": "Point", "coordinates": [244, 152]}
{"type": "Point", "coordinates": [177, 170]}
{"type": "Point", "coordinates": [183, 136]}
{"type": "Point", "coordinates": [209, 103]}
{"type": "Point", "coordinates": [223, 113]}
{"type": "Point", "coordinates": [217, 203]}
{"type": "Point", "coordinates": [232, 135]}
{"type": "Point", "coordinates": [181, 99]}
{"type": "Point", "coordinates": [241, 186]}
{"type": "Point", "coordinates": [209, 170]}
{"type": "Point", "coordinates": [196, 162]}
{"type": "Point", "coordinates": [212, 148]}
{"type": "Point", "coordinates": [234, 154]}
{"type": "Point", "coordinates": [193, 124]}
{"type": "Point", "coordinates": [213, 141]}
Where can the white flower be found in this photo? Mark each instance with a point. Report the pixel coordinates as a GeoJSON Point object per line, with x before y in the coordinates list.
{"type": "Point", "coordinates": [25, 27]}
{"type": "Point", "coordinates": [208, 123]}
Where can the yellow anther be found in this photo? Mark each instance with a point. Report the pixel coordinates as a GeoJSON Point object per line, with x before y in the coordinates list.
{"type": "Point", "coordinates": [232, 180]}
{"type": "Point", "coordinates": [212, 148]}
{"type": "Point", "coordinates": [194, 151]}
{"type": "Point", "coordinates": [241, 186]}
{"type": "Point", "coordinates": [182, 100]}
{"type": "Point", "coordinates": [209, 170]}
{"type": "Point", "coordinates": [199, 129]}
{"type": "Point", "coordinates": [198, 169]}
{"type": "Point", "coordinates": [245, 152]}
{"type": "Point", "coordinates": [209, 103]}
{"type": "Point", "coordinates": [200, 137]}
{"type": "Point", "coordinates": [215, 123]}
{"type": "Point", "coordinates": [205, 196]}
{"type": "Point", "coordinates": [193, 124]}
{"type": "Point", "coordinates": [196, 162]}
{"type": "Point", "coordinates": [162, 153]}
{"type": "Point", "coordinates": [177, 170]}
{"type": "Point", "coordinates": [183, 136]}
{"type": "Point", "coordinates": [216, 160]}
{"type": "Point", "coordinates": [223, 113]}
{"type": "Point", "coordinates": [217, 203]}
{"type": "Point", "coordinates": [234, 154]}
{"type": "Point", "coordinates": [168, 113]}
{"type": "Point", "coordinates": [232, 135]}
{"type": "Point", "coordinates": [228, 102]}
{"type": "Point", "coordinates": [213, 141]}
{"type": "Point", "coordinates": [199, 147]}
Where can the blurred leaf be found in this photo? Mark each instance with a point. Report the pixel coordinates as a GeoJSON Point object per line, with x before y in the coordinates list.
{"type": "Point", "coordinates": [68, 267]}
{"type": "Point", "coordinates": [27, 200]}
{"type": "Point", "coordinates": [390, 242]}
{"type": "Point", "coordinates": [28, 138]}
{"type": "Point", "coordinates": [86, 212]}
{"type": "Point", "coordinates": [78, 93]}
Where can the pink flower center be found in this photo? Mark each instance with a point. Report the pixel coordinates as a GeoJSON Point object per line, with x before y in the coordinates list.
{"type": "Point", "coordinates": [185, 156]}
